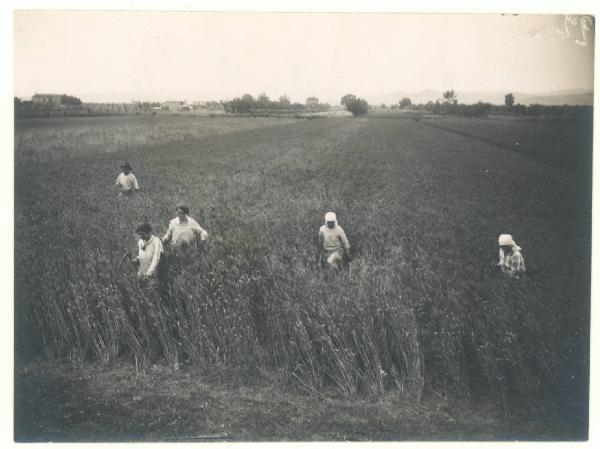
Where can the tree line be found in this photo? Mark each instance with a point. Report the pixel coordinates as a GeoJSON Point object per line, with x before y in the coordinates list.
{"type": "Point", "coordinates": [247, 104]}
{"type": "Point", "coordinates": [449, 105]}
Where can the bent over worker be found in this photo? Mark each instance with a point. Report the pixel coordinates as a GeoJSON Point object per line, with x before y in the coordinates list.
{"type": "Point", "coordinates": [334, 245]}
{"type": "Point", "coordinates": [511, 260]}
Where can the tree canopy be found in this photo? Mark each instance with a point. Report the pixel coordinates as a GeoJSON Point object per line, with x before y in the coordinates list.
{"type": "Point", "coordinates": [357, 106]}
{"type": "Point", "coordinates": [405, 102]}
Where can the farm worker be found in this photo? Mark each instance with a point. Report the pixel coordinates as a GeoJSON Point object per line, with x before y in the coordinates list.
{"type": "Point", "coordinates": [184, 232]}
{"type": "Point", "coordinates": [510, 260]}
{"type": "Point", "coordinates": [126, 181]}
{"type": "Point", "coordinates": [334, 245]}
{"type": "Point", "coordinates": [149, 251]}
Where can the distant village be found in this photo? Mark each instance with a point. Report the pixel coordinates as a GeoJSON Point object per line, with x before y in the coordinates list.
{"type": "Point", "coordinates": [51, 105]}
{"type": "Point", "coordinates": [57, 105]}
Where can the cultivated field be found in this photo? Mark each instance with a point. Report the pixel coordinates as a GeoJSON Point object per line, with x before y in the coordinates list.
{"type": "Point", "coordinates": [419, 339]}
{"type": "Point", "coordinates": [564, 143]}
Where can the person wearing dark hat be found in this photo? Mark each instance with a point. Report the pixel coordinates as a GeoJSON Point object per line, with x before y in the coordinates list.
{"type": "Point", "coordinates": [126, 181]}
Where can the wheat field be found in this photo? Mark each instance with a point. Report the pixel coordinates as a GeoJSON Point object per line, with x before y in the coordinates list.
{"type": "Point", "coordinates": [419, 313]}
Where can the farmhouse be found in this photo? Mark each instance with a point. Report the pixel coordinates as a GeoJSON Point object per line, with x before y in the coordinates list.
{"type": "Point", "coordinates": [47, 99]}
{"type": "Point", "coordinates": [175, 106]}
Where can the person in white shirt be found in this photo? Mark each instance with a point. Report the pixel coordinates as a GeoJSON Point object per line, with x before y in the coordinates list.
{"type": "Point", "coordinates": [126, 182]}
{"type": "Point", "coordinates": [149, 252]}
{"type": "Point", "coordinates": [333, 243]}
{"type": "Point", "coordinates": [510, 258]}
{"type": "Point", "coordinates": [184, 232]}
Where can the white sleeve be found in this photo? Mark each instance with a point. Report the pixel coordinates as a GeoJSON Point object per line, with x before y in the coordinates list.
{"type": "Point", "coordinates": [169, 233]}
{"type": "Point", "coordinates": [500, 257]}
{"type": "Point", "coordinates": [203, 234]}
{"type": "Point", "coordinates": [140, 246]}
{"type": "Point", "coordinates": [157, 249]}
{"type": "Point", "coordinates": [117, 181]}
{"type": "Point", "coordinates": [344, 239]}
{"type": "Point", "coordinates": [135, 183]}
{"type": "Point", "coordinates": [199, 230]}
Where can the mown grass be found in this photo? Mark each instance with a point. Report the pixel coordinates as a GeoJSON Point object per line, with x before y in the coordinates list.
{"type": "Point", "coordinates": [104, 403]}
{"type": "Point", "coordinates": [419, 312]}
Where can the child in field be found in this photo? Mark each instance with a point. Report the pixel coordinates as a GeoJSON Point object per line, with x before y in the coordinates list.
{"type": "Point", "coordinates": [333, 243]}
{"type": "Point", "coordinates": [149, 252]}
{"type": "Point", "coordinates": [126, 181]}
{"type": "Point", "coordinates": [184, 232]}
{"type": "Point", "coordinates": [511, 260]}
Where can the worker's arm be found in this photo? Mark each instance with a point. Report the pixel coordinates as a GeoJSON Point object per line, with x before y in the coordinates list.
{"type": "Point", "coordinates": [500, 259]}
{"type": "Point", "coordinates": [167, 237]}
{"type": "Point", "coordinates": [136, 259]}
{"type": "Point", "coordinates": [345, 244]}
{"type": "Point", "coordinates": [319, 247]}
{"type": "Point", "coordinates": [201, 233]}
{"type": "Point", "coordinates": [135, 183]}
{"type": "Point", "coordinates": [157, 249]}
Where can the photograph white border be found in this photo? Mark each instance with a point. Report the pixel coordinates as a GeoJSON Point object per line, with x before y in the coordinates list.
{"type": "Point", "coordinates": [7, 174]}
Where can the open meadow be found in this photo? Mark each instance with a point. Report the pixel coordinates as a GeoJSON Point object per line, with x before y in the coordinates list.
{"type": "Point", "coordinates": [420, 338]}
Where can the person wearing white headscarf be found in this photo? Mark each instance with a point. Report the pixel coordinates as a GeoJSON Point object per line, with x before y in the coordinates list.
{"type": "Point", "coordinates": [511, 260]}
{"type": "Point", "coordinates": [333, 242]}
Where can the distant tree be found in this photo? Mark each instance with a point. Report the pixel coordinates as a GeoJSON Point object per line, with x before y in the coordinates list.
{"type": "Point", "coordinates": [240, 105]}
{"type": "Point", "coordinates": [482, 109]}
{"type": "Point", "coordinates": [535, 109]}
{"type": "Point", "coordinates": [284, 100]}
{"type": "Point", "coordinates": [263, 101]}
{"type": "Point", "coordinates": [383, 106]}
{"type": "Point", "coordinates": [357, 106]}
{"type": "Point", "coordinates": [509, 100]}
{"type": "Point", "coordinates": [247, 98]}
{"type": "Point", "coordinates": [348, 98]}
{"type": "Point", "coordinates": [450, 97]}
{"type": "Point", "coordinates": [405, 102]}
{"type": "Point", "coordinates": [310, 101]}
{"type": "Point", "coordinates": [246, 104]}
{"type": "Point", "coordinates": [71, 101]}
{"type": "Point", "coordinates": [520, 109]}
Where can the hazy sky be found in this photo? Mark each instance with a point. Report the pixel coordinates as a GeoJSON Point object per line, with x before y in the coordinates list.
{"type": "Point", "coordinates": [119, 56]}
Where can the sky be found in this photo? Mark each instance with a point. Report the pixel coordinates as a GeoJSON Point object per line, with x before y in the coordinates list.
{"type": "Point", "coordinates": [136, 55]}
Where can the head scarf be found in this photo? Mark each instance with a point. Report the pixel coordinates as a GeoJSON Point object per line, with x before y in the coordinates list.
{"type": "Point", "coordinates": [330, 216]}
{"type": "Point", "coordinates": [506, 240]}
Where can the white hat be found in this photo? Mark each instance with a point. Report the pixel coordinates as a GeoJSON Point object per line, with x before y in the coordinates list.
{"type": "Point", "coordinates": [330, 216]}
{"type": "Point", "coordinates": [506, 240]}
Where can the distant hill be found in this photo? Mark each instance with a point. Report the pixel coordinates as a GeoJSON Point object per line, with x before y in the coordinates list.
{"type": "Point", "coordinates": [570, 97]}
